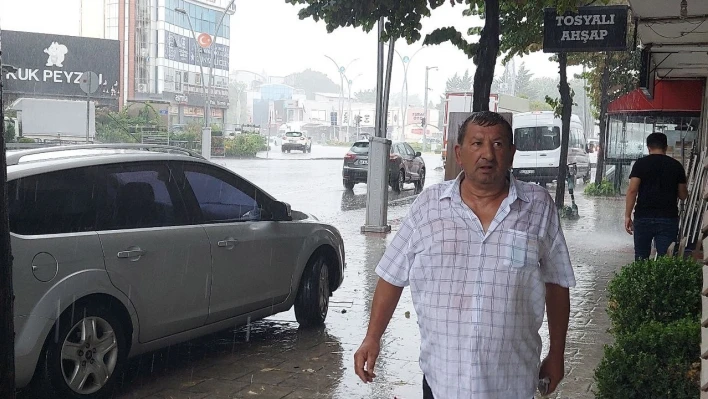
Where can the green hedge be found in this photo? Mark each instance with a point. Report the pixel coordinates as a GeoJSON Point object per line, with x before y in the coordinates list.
{"type": "Point", "coordinates": [656, 361]}
{"type": "Point", "coordinates": [664, 290]}
{"type": "Point", "coordinates": [245, 145]}
{"type": "Point", "coordinates": [604, 189]}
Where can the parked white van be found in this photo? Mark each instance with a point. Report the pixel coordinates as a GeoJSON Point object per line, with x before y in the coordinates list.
{"type": "Point", "coordinates": [537, 136]}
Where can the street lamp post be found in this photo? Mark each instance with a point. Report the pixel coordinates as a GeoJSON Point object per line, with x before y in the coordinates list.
{"type": "Point", "coordinates": [349, 113]}
{"type": "Point", "coordinates": [206, 87]}
{"type": "Point", "coordinates": [342, 70]}
{"type": "Point", "coordinates": [406, 61]}
{"type": "Point", "coordinates": [425, 113]}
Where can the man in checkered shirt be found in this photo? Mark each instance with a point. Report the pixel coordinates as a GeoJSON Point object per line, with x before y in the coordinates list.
{"type": "Point", "coordinates": [484, 256]}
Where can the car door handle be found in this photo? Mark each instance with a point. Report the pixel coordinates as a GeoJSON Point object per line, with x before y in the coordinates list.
{"type": "Point", "coordinates": [227, 243]}
{"type": "Point", "coordinates": [133, 253]}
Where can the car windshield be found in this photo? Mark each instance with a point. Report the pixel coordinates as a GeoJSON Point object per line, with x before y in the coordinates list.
{"type": "Point", "coordinates": [360, 148]}
{"type": "Point", "coordinates": [293, 134]}
{"type": "Point", "coordinates": [537, 138]}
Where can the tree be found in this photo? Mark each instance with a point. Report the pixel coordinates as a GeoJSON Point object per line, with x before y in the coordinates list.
{"type": "Point", "coordinates": [609, 76]}
{"type": "Point", "coordinates": [366, 96]}
{"type": "Point", "coordinates": [523, 82]}
{"type": "Point", "coordinates": [459, 83]}
{"type": "Point", "coordinates": [312, 82]}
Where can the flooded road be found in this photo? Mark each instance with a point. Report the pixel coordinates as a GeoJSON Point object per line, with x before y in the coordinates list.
{"type": "Point", "coordinates": [273, 358]}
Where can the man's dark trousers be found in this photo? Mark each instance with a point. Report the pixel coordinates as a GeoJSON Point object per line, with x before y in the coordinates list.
{"type": "Point", "coordinates": [663, 231]}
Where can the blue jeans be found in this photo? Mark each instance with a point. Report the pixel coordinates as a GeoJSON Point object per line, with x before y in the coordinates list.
{"type": "Point", "coordinates": [663, 231]}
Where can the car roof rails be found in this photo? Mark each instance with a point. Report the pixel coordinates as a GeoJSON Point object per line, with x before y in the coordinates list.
{"type": "Point", "coordinates": [15, 157]}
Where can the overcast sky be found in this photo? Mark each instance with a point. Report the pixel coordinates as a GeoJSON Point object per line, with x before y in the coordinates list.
{"type": "Point", "coordinates": [267, 36]}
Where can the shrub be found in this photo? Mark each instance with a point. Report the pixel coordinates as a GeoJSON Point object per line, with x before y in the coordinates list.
{"type": "Point", "coordinates": [245, 145]}
{"type": "Point", "coordinates": [664, 290]}
{"type": "Point", "coordinates": [604, 189]}
{"type": "Point", "coordinates": [656, 361]}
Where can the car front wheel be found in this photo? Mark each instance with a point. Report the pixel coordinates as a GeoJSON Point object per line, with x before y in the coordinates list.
{"type": "Point", "coordinates": [85, 358]}
{"type": "Point", "coordinates": [397, 185]}
{"type": "Point", "coordinates": [312, 302]}
{"type": "Point", "coordinates": [421, 181]}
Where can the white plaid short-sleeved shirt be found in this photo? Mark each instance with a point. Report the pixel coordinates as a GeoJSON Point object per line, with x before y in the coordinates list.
{"type": "Point", "coordinates": [480, 298]}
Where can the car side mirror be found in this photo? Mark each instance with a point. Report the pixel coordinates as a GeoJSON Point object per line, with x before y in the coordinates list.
{"type": "Point", "coordinates": [281, 211]}
{"type": "Point", "coordinates": [418, 154]}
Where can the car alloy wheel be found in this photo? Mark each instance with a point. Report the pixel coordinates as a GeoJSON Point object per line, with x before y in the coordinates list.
{"type": "Point", "coordinates": [89, 355]}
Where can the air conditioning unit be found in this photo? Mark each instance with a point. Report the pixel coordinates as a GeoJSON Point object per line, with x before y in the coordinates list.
{"type": "Point", "coordinates": [142, 88]}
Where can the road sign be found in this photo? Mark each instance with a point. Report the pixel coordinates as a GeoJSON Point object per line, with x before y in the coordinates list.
{"type": "Point", "coordinates": [89, 82]}
{"type": "Point", "coordinates": [204, 40]}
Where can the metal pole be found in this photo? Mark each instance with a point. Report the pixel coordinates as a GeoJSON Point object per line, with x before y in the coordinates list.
{"type": "Point", "coordinates": [7, 297]}
{"type": "Point", "coordinates": [206, 131]}
{"type": "Point", "coordinates": [425, 107]}
{"type": "Point", "coordinates": [349, 112]}
{"type": "Point", "coordinates": [88, 111]}
{"type": "Point", "coordinates": [213, 52]}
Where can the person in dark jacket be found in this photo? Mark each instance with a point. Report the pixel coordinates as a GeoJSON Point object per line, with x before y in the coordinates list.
{"type": "Point", "coordinates": [656, 184]}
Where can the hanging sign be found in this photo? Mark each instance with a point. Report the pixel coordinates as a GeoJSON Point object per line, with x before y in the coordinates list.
{"type": "Point", "coordinates": [590, 29]}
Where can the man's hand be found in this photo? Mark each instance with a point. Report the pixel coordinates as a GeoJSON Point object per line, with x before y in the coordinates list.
{"type": "Point", "coordinates": [553, 368]}
{"type": "Point", "coordinates": [365, 359]}
{"type": "Point", "coordinates": [629, 225]}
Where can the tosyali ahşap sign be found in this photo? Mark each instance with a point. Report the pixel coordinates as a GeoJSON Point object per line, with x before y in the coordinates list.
{"type": "Point", "coordinates": [47, 65]}
{"type": "Point", "coordinates": [590, 29]}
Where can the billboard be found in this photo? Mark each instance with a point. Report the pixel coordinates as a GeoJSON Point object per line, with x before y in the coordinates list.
{"type": "Point", "coordinates": [46, 65]}
{"type": "Point", "coordinates": [590, 29]}
{"type": "Point", "coordinates": [184, 49]}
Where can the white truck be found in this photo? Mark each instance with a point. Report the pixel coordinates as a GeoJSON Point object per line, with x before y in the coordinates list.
{"type": "Point", "coordinates": [462, 102]}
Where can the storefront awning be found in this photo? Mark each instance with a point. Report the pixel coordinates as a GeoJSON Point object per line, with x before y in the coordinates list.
{"type": "Point", "coordinates": [670, 96]}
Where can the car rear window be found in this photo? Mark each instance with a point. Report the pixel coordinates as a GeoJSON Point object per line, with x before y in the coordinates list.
{"type": "Point", "coordinates": [360, 148]}
{"type": "Point", "coordinates": [293, 134]}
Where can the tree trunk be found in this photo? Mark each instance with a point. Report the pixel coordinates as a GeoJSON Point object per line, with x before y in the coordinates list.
{"type": "Point", "coordinates": [567, 110]}
{"type": "Point", "coordinates": [604, 104]}
{"type": "Point", "coordinates": [486, 58]}
{"type": "Point", "coordinates": [7, 328]}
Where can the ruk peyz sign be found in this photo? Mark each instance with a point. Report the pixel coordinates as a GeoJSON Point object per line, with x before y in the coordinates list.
{"type": "Point", "coordinates": [590, 29]}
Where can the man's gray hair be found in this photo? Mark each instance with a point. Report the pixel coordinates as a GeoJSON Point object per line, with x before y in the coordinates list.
{"type": "Point", "coordinates": [485, 119]}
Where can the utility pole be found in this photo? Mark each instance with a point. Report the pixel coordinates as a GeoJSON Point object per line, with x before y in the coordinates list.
{"type": "Point", "coordinates": [425, 113]}
{"type": "Point", "coordinates": [379, 147]}
{"type": "Point", "coordinates": [7, 296]}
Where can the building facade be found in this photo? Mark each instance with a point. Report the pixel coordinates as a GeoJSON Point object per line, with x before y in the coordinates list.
{"type": "Point", "coordinates": [162, 61]}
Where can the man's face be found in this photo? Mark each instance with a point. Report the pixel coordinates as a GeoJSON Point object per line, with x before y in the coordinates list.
{"type": "Point", "coordinates": [486, 155]}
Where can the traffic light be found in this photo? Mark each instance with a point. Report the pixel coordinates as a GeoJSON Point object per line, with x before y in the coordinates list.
{"type": "Point", "coordinates": [422, 122]}
{"type": "Point", "coordinates": [357, 119]}
{"type": "Point", "coordinates": [333, 118]}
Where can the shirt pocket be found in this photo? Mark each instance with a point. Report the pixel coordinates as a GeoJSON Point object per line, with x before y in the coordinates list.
{"type": "Point", "coordinates": [519, 249]}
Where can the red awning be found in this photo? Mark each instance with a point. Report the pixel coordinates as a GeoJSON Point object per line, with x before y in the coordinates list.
{"type": "Point", "coordinates": [669, 96]}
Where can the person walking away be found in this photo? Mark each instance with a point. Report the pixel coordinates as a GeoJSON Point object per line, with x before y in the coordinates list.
{"type": "Point", "coordinates": [656, 183]}
{"type": "Point", "coordinates": [484, 256]}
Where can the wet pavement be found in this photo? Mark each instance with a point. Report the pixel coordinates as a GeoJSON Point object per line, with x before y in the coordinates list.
{"type": "Point", "coordinates": [275, 359]}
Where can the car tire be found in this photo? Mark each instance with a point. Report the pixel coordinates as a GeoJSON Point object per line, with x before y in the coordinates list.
{"type": "Point", "coordinates": [54, 369]}
{"type": "Point", "coordinates": [312, 301]}
{"type": "Point", "coordinates": [397, 185]}
{"type": "Point", "coordinates": [282, 149]}
{"type": "Point", "coordinates": [348, 184]}
{"type": "Point", "coordinates": [420, 184]}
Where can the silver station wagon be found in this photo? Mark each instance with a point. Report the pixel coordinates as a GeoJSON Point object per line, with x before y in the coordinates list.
{"type": "Point", "coordinates": [124, 249]}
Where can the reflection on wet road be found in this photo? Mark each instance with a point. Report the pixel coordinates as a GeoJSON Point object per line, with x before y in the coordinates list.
{"type": "Point", "coordinates": [273, 358]}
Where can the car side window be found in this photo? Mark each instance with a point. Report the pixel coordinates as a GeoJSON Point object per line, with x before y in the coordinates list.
{"type": "Point", "coordinates": [140, 196]}
{"type": "Point", "coordinates": [53, 203]}
{"type": "Point", "coordinates": [409, 149]}
{"type": "Point", "coordinates": [222, 198]}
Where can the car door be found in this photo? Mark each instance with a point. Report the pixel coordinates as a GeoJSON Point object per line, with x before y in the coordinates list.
{"type": "Point", "coordinates": [415, 162]}
{"type": "Point", "coordinates": [252, 258]}
{"type": "Point", "coordinates": [152, 254]}
{"type": "Point", "coordinates": [400, 149]}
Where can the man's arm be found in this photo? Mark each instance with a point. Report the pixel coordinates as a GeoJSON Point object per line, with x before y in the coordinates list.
{"type": "Point", "coordinates": [683, 191]}
{"type": "Point", "coordinates": [558, 310]}
{"type": "Point", "coordinates": [383, 305]}
{"type": "Point", "coordinates": [631, 200]}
